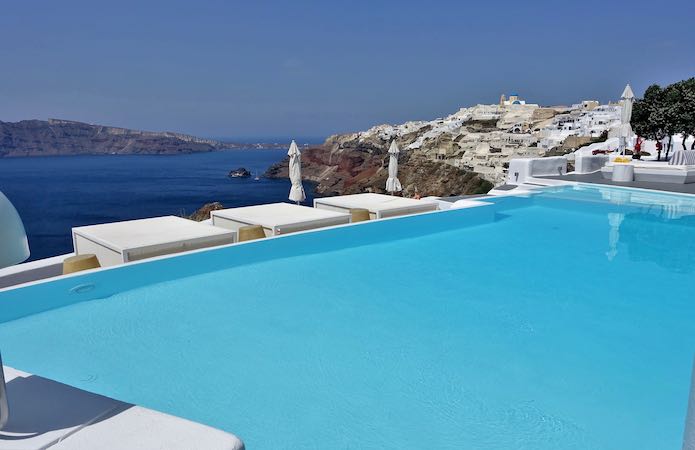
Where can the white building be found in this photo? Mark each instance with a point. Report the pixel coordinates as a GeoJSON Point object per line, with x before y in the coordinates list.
{"type": "Point", "coordinates": [514, 99]}
{"type": "Point", "coordinates": [591, 122]}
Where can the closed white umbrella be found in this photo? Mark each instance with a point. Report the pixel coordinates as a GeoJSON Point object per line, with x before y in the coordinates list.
{"type": "Point", "coordinates": [392, 183]}
{"type": "Point", "coordinates": [628, 99]}
{"type": "Point", "coordinates": [297, 190]}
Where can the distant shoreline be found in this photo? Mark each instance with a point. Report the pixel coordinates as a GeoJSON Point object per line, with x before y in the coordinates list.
{"type": "Point", "coordinates": [57, 137]}
{"type": "Point", "coordinates": [218, 150]}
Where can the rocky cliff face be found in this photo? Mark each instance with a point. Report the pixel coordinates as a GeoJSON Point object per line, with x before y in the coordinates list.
{"type": "Point", "coordinates": [338, 171]}
{"type": "Point", "coordinates": [480, 139]}
{"type": "Point", "coordinates": [63, 137]}
{"type": "Point", "coordinates": [464, 153]}
{"type": "Point", "coordinates": [203, 213]}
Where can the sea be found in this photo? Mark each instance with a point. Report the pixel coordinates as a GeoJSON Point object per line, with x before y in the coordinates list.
{"type": "Point", "coordinates": [54, 194]}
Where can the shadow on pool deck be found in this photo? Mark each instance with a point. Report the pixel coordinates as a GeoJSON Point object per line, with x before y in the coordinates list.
{"type": "Point", "coordinates": [42, 411]}
{"type": "Point", "coordinates": [46, 413]}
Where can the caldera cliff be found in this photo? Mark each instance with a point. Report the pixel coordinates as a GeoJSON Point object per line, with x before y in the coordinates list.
{"type": "Point", "coordinates": [466, 152]}
{"type": "Point", "coordinates": [340, 170]}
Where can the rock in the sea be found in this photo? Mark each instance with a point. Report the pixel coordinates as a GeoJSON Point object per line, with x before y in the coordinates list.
{"type": "Point", "coordinates": [203, 213]}
{"type": "Point", "coordinates": [240, 173]}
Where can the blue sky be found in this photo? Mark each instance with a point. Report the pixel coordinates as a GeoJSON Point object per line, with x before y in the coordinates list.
{"type": "Point", "coordinates": [294, 68]}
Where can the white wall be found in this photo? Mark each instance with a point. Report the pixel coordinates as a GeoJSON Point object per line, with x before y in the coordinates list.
{"type": "Point", "coordinates": [584, 163]}
{"type": "Point", "coordinates": [520, 169]}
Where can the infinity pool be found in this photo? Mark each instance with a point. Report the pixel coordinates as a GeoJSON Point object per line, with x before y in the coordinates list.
{"type": "Point", "coordinates": [564, 320]}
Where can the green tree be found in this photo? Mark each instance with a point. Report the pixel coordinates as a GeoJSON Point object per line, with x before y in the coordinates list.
{"type": "Point", "coordinates": [682, 103]}
{"type": "Point", "coordinates": [666, 111]}
{"type": "Point", "coordinates": [649, 115]}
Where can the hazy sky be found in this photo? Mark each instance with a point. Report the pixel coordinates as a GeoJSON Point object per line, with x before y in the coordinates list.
{"type": "Point", "coordinates": [294, 68]}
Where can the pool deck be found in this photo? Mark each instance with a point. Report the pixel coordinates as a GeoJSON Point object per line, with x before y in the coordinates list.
{"type": "Point", "coordinates": [597, 178]}
{"type": "Point", "coordinates": [48, 414]}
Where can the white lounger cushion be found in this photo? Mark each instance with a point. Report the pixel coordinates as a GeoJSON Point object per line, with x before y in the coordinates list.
{"type": "Point", "coordinates": [378, 205]}
{"type": "Point", "coordinates": [278, 218]}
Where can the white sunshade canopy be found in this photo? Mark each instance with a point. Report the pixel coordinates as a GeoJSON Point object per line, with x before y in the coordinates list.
{"type": "Point", "coordinates": [14, 246]}
{"type": "Point", "coordinates": [297, 193]}
{"type": "Point", "coordinates": [392, 183]}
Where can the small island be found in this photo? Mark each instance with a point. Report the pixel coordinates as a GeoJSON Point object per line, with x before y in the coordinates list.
{"type": "Point", "coordinates": [241, 172]}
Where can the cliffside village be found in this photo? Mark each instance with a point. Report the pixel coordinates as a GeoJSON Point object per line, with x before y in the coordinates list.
{"type": "Point", "coordinates": [483, 138]}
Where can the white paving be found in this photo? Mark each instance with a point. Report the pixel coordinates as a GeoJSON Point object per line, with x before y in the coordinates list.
{"type": "Point", "coordinates": [48, 414]}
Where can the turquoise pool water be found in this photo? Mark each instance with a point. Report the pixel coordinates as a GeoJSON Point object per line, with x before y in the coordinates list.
{"type": "Point", "coordinates": [562, 320]}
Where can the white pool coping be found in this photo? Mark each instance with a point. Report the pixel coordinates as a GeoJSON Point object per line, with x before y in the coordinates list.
{"type": "Point", "coordinates": [40, 269]}
{"type": "Point", "coordinates": [48, 414]}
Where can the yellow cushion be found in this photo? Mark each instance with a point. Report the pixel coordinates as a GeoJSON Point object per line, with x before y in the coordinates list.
{"type": "Point", "coordinates": [78, 263]}
{"type": "Point", "coordinates": [250, 232]}
{"type": "Point", "coordinates": [359, 215]}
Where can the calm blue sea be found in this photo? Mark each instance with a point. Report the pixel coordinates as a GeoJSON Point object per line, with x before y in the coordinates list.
{"type": "Point", "coordinates": [54, 194]}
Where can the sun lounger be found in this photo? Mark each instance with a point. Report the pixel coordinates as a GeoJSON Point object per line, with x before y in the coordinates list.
{"type": "Point", "coordinates": [378, 205]}
{"type": "Point", "coordinates": [278, 218]}
{"type": "Point", "coordinates": [121, 242]}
